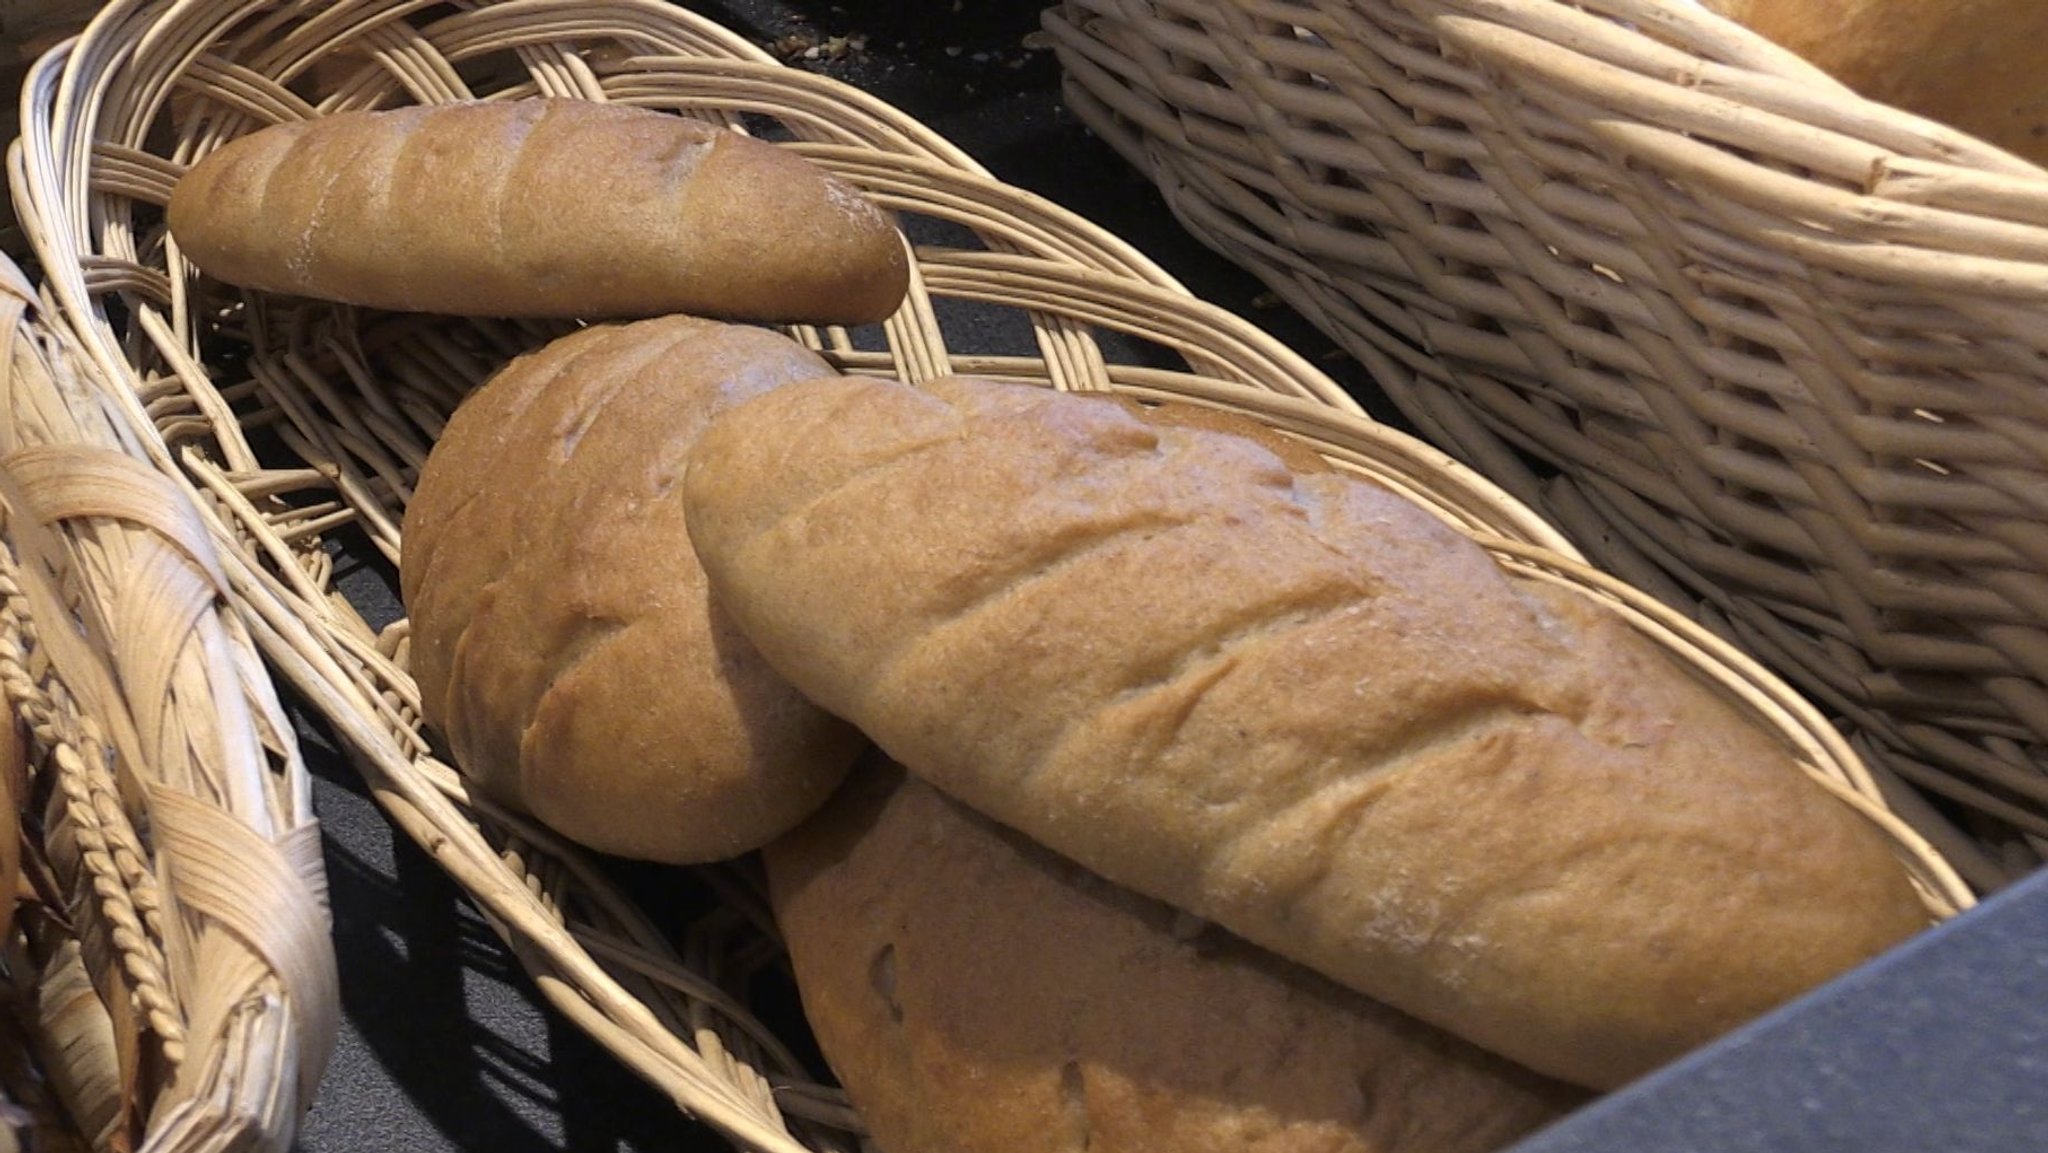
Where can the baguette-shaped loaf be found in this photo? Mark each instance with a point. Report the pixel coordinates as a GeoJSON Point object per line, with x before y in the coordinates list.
{"type": "Point", "coordinates": [563, 639]}
{"type": "Point", "coordinates": [553, 207]}
{"type": "Point", "coordinates": [975, 993]}
{"type": "Point", "coordinates": [1291, 702]}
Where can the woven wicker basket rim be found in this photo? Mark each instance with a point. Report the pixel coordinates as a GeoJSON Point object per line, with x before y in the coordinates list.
{"type": "Point", "coordinates": [1067, 277]}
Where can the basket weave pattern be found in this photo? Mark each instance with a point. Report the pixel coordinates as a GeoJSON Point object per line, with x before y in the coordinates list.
{"type": "Point", "coordinates": [345, 405]}
{"type": "Point", "coordinates": [1772, 351]}
{"type": "Point", "coordinates": [167, 802]}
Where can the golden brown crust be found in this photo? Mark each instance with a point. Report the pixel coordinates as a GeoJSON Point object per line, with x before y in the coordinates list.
{"type": "Point", "coordinates": [976, 994]}
{"type": "Point", "coordinates": [1298, 706]}
{"type": "Point", "coordinates": [551, 207]}
{"type": "Point", "coordinates": [563, 638]}
{"type": "Point", "coordinates": [1975, 65]}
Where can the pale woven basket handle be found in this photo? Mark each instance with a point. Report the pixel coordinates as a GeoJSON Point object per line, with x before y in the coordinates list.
{"type": "Point", "coordinates": [184, 803]}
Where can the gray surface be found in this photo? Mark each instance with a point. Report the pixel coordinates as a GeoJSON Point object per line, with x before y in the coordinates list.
{"type": "Point", "coordinates": [1938, 1047]}
{"type": "Point", "coordinates": [444, 1044]}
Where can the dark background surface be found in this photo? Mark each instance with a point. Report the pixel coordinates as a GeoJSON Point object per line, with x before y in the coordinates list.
{"type": "Point", "coordinates": [1941, 1046]}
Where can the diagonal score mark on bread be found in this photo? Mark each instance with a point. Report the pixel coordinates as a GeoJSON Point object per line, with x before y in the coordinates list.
{"type": "Point", "coordinates": [540, 369]}
{"type": "Point", "coordinates": [527, 166]}
{"type": "Point", "coordinates": [751, 520]}
{"type": "Point", "coordinates": [586, 641]}
{"type": "Point", "coordinates": [620, 374]}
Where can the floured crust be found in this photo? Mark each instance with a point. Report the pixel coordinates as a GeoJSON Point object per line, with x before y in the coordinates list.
{"type": "Point", "coordinates": [1294, 704]}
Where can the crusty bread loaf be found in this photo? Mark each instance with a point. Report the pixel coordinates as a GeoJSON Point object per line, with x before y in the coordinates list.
{"type": "Point", "coordinates": [977, 994]}
{"type": "Point", "coordinates": [563, 640]}
{"type": "Point", "coordinates": [1292, 703]}
{"type": "Point", "coordinates": [564, 208]}
{"type": "Point", "coordinates": [1975, 65]}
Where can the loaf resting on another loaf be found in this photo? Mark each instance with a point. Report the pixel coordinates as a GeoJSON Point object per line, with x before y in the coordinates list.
{"type": "Point", "coordinates": [1291, 702]}
{"type": "Point", "coordinates": [563, 208]}
{"type": "Point", "coordinates": [975, 993]}
{"type": "Point", "coordinates": [563, 639]}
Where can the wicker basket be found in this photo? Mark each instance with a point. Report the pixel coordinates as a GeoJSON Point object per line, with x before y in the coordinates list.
{"type": "Point", "coordinates": [175, 975]}
{"type": "Point", "coordinates": [299, 428]}
{"type": "Point", "coordinates": [1773, 352]}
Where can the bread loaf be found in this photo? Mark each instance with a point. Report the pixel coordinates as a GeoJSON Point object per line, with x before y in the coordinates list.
{"type": "Point", "coordinates": [563, 208]}
{"type": "Point", "coordinates": [563, 640]}
{"type": "Point", "coordinates": [1292, 703]}
{"type": "Point", "coordinates": [977, 994]}
{"type": "Point", "coordinates": [1975, 65]}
